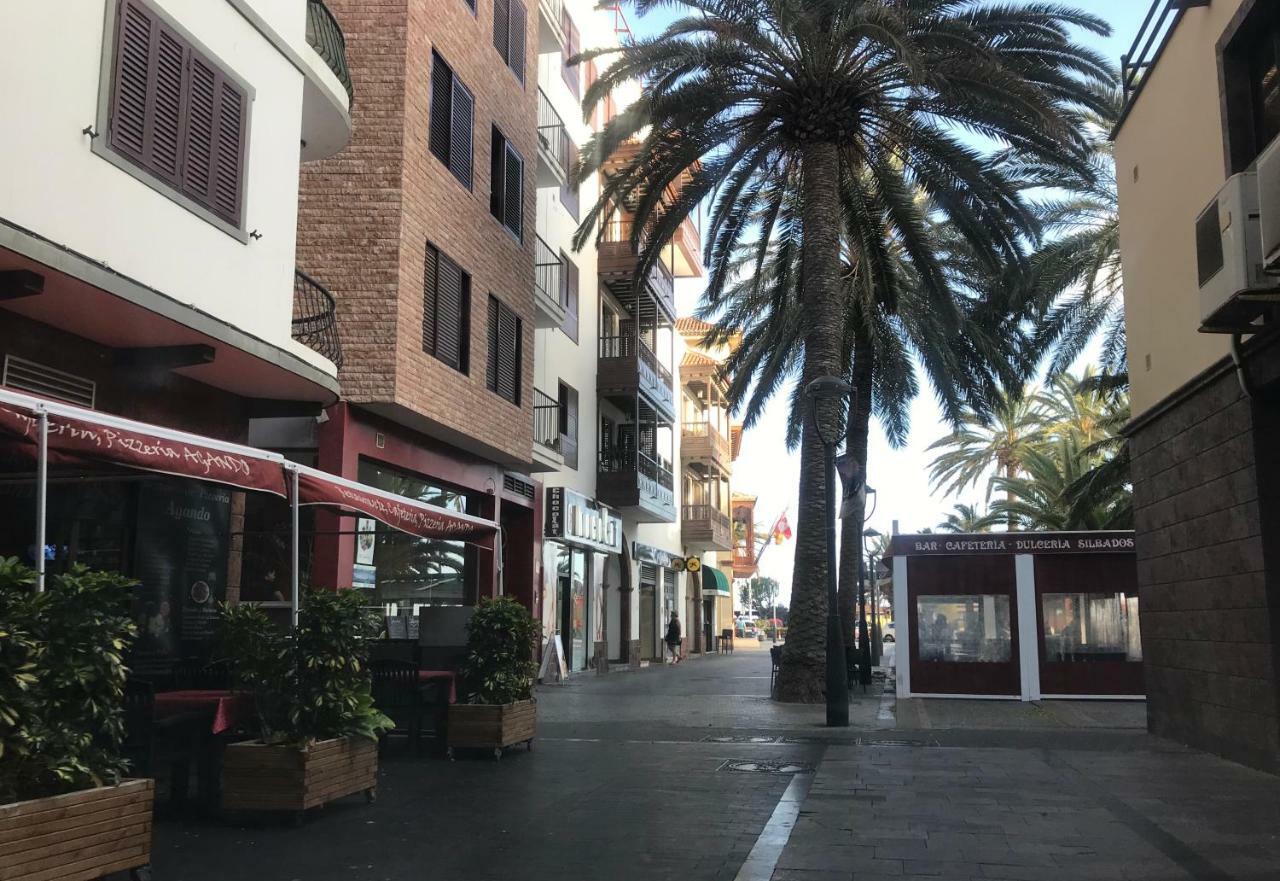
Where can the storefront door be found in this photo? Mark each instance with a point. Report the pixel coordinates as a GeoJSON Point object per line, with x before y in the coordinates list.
{"type": "Point", "coordinates": [962, 621]}
{"type": "Point", "coordinates": [572, 571]}
{"type": "Point", "coordinates": [649, 649]}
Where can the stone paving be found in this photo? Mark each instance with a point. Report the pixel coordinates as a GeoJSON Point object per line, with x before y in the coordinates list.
{"type": "Point", "coordinates": [631, 779]}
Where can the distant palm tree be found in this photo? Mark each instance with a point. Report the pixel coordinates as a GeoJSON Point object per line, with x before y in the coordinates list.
{"type": "Point", "coordinates": [1043, 498]}
{"type": "Point", "coordinates": [967, 518]}
{"type": "Point", "coordinates": [748, 100]}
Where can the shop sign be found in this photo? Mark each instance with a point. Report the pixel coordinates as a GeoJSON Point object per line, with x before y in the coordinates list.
{"type": "Point", "coordinates": [574, 519]}
{"type": "Point", "coordinates": [656, 556]}
{"type": "Point", "coordinates": [1015, 543]}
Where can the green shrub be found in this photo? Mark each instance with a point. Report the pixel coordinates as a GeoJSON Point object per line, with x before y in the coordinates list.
{"type": "Point", "coordinates": [310, 683]}
{"type": "Point", "coordinates": [62, 678]}
{"type": "Point", "coordinates": [501, 636]}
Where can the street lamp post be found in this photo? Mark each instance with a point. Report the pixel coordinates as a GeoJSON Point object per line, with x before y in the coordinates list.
{"type": "Point", "coordinates": [829, 390]}
{"type": "Point", "coordinates": [870, 655]}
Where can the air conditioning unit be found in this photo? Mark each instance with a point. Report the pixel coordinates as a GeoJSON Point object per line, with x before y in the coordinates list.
{"type": "Point", "coordinates": [1229, 256]}
{"type": "Point", "coordinates": [1269, 205]}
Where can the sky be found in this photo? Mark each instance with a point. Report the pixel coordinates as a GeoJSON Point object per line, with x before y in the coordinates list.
{"type": "Point", "coordinates": [766, 468]}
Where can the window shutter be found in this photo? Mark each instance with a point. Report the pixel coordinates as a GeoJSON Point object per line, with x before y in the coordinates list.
{"type": "Point", "coordinates": [513, 215]}
{"type": "Point", "coordinates": [450, 297]}
{"type": "Point", "coordinates": [441, 108]}
{"type": "Point", "coordinates": [569, 192]}
{"type": "Point", "coordinates": [497, 175]}
{"type": "Point", "coordinates": [502, 27]}
{"type": "Point", "coordinates": [134, 36]}
{"type": "Point", "coordinates": [202, 95]}
{"type": "Point", "coordinates": [229, 147]}
{"type": "Point", "coordinates": [493, 343]}
{"type": "Point", "coordinates": [569, 425]}
{"type": "Point", "coordinates": [517, 36]}
{"type": "Point", "coordinates": [164, 141]}
{"type": "Point", "coordinates": [430, 308]}
{"type": "Point", "coordinates": [591, 75]}
{"type": "Point", "coordinates": [570, 326]}
{"type": "Point", "coordinates": [573, 45]}
{"type": "Point", "coordinates": [508, 354]}
{"type": "Point", "coordinates": [460, 133]}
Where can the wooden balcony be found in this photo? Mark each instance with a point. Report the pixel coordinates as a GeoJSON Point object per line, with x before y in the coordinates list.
{"type": "Point", "coordinates": [703, 442]}
{"type": "Point", "coordinates": [703, 528]}
{"type": "Point", "coordinates": [617, 259]}
{"type": "Point", "coordinates": [627, 367]}
{"type": "Point", "coordinates": [744, 563]}
{"type": "Point", "coordinates": [636, 483]}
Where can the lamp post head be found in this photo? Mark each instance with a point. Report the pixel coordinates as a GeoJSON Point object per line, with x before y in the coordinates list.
{"type": "Point", "coordinates": [824, 394]}
{"type": "Point", "coordinates": [827, 387]}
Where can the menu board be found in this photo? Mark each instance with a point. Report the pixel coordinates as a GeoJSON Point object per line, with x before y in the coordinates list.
{"type": "Point", "coordinates": [180, 559]}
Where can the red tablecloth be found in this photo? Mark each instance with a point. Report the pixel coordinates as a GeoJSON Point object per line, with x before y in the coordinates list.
{"type": "Point", "coordinates": [428, 675]}
{"type": "Point", "coordinates": [229, 708]}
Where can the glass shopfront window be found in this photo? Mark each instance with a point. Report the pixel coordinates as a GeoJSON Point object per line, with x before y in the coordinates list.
{"type": "Point", "coordinates": [403, 569]}
{"type": "Point", "coordinates": [965, 629]}
{"type": "Point", "coordinates": [1084, 627]}
{"type": "Point", "coordinates": [571, 572]}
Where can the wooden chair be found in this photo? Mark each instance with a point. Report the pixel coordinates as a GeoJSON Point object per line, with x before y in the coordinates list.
{"type": "Point", "coordinates": [398, 693]}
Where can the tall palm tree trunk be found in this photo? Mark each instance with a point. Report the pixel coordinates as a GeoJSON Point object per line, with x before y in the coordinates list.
{"type": "Point", "coordinates": [802, 677]}
{"type": "Point", "coordinates": [856, 436]}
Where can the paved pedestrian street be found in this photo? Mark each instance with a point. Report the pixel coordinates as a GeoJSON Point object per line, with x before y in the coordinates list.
{"type": "Point", "coordinates": [691, 773]}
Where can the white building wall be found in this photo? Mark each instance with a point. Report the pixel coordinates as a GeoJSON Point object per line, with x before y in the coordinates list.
{"type": "Point", "coordinates": [58, 187]}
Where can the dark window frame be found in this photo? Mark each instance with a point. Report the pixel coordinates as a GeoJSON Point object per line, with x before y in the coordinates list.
{"type": "Point", "coordinates": [570, 423]}
{"type": "Point", "coordinates": [498, 312]}
{"type": "Point", "coordinates": [441, 144]}
{"type": "Point", "coordinates": [502, 154]}
{"type": "Point", "coordinates": [571, 281]}
{"type": "Point", "coordinates": [431, 310]}
{"type": "Point", "coordinates": [1254, 22]}
{"type": "Point", "coordinates": [102, 147]}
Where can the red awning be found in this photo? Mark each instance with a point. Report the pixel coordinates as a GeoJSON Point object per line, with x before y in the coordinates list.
{"type": "Point", "coordinates": [407, 515]}
{"type": "Point", "coordinates": [88, 435]}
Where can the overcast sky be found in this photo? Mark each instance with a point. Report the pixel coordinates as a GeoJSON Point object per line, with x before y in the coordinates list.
{"type": "Point", "coordinates": [900, 477]}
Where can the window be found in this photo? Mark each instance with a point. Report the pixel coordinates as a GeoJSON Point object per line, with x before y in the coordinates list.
{"type": "Point", "coordinates": [964, 629]}
{"type": "Point", "coordinates": [590, 75]}
{"type": "Point", "coordinates": [1251, 84]}
{"type": "Point", "coordinates": [569, 189]}
{"type": "Point", "coordinates": [509, 34]}
{"type": "Point", "coordinates": [452, 116]}
{"type": "Point", "coordinates": [1083, 627]}
{"type": "Point", "coordinates": [572, 46]}
{"type": "Point", "coordinates": [446, 310]}
{"type": "Point", "coordinates": [176, 114]}
{"type": "Point", "coordinates": [506, 196]}
{"type": "Point", "coordinates": [569, 424]}
{"type": "Point", "coordinates": [505, 350]}
{"type": "Point", "coordinates": [569, 296]}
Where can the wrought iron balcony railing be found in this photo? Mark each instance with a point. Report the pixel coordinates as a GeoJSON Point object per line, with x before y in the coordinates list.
{"type": "Point", "coordinates": [548, 272]}
{"type": "Point", "coordinates": [552, 135]}
{"type": "Point", "coordinates": [546, 420]}
{"type": "Point", "coordinates": [1152, 37]}
{"type": "Point", "coordinates": [326, 37]}
{"type": "Point", "coordinates": [314, 320]}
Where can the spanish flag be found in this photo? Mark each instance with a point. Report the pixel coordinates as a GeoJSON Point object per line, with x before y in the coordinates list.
{"type": "Point", "coordinates": [781, 530]}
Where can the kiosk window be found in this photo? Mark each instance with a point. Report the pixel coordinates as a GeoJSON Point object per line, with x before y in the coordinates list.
{"type": "Point", "coordinates": [965, 629]}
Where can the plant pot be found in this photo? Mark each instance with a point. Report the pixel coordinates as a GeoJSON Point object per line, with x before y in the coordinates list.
{"type": "Point", "coordinates": [279, 777]}
{"type": "Point", "coordinates": [79, 835]}
{"type": "Point", "coordinates": [492, 726]}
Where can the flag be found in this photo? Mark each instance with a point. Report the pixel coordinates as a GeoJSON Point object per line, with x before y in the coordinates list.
{"type": "Point", "coordinates": [781, 530]}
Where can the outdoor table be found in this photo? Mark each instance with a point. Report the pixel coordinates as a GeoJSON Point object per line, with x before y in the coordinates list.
{"type": "Point", "coordinates": [226, 708]}
{"type": "Point", "coordinates": [428, 675]}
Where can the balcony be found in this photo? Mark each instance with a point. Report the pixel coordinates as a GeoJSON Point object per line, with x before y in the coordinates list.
{"type": "Point", "coordinates": [702, 441]}
{"type": "Point", "coordinates": [636, 482]}
{"type": "Point", "coordinates": [327, 93]}
{"type": "Point", "coordinates": [1148, 45]}
{"type": "Point", "coordinates": [554, 162]}
{"type": "Point", "coordinates": [744, 563]}
{"type": "Point", "coordinates": [618, 257]}
{"type": "Point", "coordinates": [704, 528]}
{"type": "Point", "coordinates": [547, 452]}
{"type": "Point", "coordinates": [548, 286]}
{"type": "Point", "coordinates": [314, 321]}
{"type": "Point", "coordinates": [628, 367]}
{"type": "Point", "coordinates": [550, 28]}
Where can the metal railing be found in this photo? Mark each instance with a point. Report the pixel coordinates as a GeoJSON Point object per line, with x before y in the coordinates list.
{"type": "Point", "coordinates": [552, 135]}
{"type": "Point", "coordinates": [623, 458]}
{"type": "Point", "coordinates": [314, 320]}
{"type": "Point", "coordinates": [555, 9]}
{"type": "Point", "coordinates": [1153, 35]}
{"type": "Point", "coordinates": [546, 420]}
{"type": "Point", "coordinates": [326, 37]}
{"type": "Point", "coordinates": [548, 272]}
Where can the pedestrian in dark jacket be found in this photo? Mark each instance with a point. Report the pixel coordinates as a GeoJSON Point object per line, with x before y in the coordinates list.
{"type": "Point", "coordinates": [673, 637]}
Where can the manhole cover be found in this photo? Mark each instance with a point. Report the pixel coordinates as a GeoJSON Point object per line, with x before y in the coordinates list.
{"type": "Point", "coordinates": [738, 738]}
{"type": "Point", "coordinates": [761, 767]}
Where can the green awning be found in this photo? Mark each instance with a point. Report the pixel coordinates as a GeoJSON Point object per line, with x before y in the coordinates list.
{"type": "Point", "coordinates": [714, 581]}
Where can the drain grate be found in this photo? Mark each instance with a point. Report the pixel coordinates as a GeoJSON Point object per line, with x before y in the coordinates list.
{"type": "Point", "coordinates": [897, 743]}
{"type": "Point", "coordinates": [763, 767]}
{"type": "Point", "coordinates": [738, 738]}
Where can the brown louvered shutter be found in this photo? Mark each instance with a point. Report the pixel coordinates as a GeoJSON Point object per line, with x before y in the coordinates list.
{"type": "Point", "coordinates": [135, 32]}
{"type": "Point", "coordinates": [590, 75]}
{"type": "Point", "coordinates": [163, 151]}
{"type": "Point", "coordinates": [569, 190]}
{"type": "Point", "coordinates": [441, 108]}
{"type": "Point", "coordinates": [213, 160]}
{"type": "Point", "coordinates": [451, 295]}
{"type": "Point", "coordinates": [228, 148]}
{"type": "Point", "coordinates": [463, 117]}
{"type": "Point", "coordinates": [517, 37]}
{"type": "Point", "coordinates": [430, 309]}
{"type": "Point", "coordinates": [508, 354]}
{"type": "Point", "coordinates": [502, 27]}
{"type": "Point", "coordinates": [513, 197]}
{"type": "Point", "coordinates": [493, 344]}
{"type": "Point", "coordinates": [573, 45]}
{"type": "Point", "coordinates": [570, 325]}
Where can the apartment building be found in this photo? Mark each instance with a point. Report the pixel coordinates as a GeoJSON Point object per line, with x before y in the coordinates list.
{"type": "Point", "coordinates": [425, 228]}
{"type": "Point", "coordinates": [606, 437]}
{"type": "Point", "coordinates": [149, 270]}
{"type": "Point", "coordinates": [1199, 189]}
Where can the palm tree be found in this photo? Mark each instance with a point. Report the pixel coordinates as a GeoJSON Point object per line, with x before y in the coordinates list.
{"type": "Point", "coordinates": [1043, 497]}
{"type": "Point", "coordinates": [967, 518]}
{"type": "Point", "coordinates": [751, 99]}
{"type": "Point", "coordinates": [999, 445]}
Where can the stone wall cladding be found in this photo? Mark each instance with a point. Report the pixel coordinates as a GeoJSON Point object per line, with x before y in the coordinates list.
{"type": "Point", "coordinates": [1206, 599]}
{"type": "Point", "coordinates": [368, 213]}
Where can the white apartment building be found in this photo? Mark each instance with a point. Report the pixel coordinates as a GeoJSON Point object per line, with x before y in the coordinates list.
{"type": "Point", "coordinates": [607, 431]}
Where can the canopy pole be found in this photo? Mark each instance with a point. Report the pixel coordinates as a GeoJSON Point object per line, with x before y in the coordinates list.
{"type": "Point", "coordinates": [42, 493]}
{"type": "Point", "coordinates": [295, 546]}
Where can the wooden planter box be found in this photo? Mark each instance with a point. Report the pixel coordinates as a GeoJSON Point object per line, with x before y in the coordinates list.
{"type": "Point", "coordinates": [492, 726]}
{"type": "Point", "coordinates": [77, 836]}
{"type": "Point", "coordinates": [261, 777]}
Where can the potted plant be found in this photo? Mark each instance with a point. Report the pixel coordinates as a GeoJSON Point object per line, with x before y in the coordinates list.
{"type": "Point", "coordinates": [66, 811]}
{"type": "Point", "coordinates": [318, 727]}
{"type": "Point", "coordinates": [497, 676]}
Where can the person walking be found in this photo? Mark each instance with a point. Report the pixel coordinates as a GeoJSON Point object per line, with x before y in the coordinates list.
{"type": "Point", "coordinates": [674, 637]}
